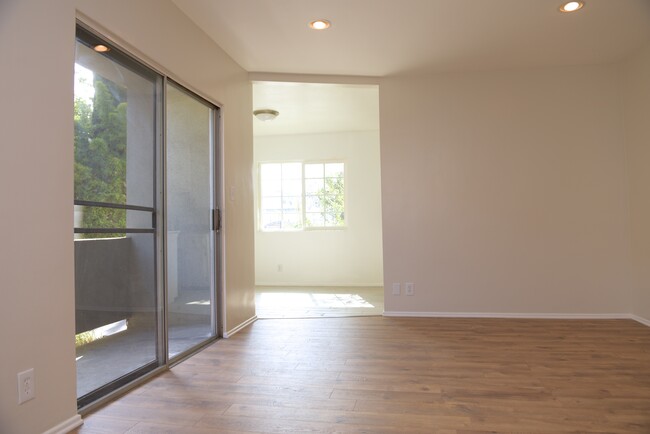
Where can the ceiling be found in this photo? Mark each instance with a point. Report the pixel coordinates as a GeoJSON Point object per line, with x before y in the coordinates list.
{"type": "Point", "coordinates": [387, 37]}
{"type": "Point", "coordinates": [316, 108]}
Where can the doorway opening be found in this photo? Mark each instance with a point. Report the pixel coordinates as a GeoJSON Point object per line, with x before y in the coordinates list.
{"type": "Point", "coordinates": [318, 241]}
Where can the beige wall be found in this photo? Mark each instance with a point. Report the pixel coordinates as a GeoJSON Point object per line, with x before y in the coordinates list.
{"type": "Point", "coordinates": [505, 192]}
{"type": "Point", "coordinates": [36, 252]}
{"type": "Point", "coordinates": [636, 88]}
{"type": "Point", "coordinates": [36, 181]}
{"type": "Point", "coordinates": [159, 32]}
{"type": "Point", "coordinates": [345, 257]}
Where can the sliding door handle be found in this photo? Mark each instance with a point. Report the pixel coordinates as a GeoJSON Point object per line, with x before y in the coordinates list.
{"type": "Point", "coordinates": [216, 220]}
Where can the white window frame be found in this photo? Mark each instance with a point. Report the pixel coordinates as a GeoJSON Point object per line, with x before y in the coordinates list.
{"type": "Point", "coordinates": [303, 209]}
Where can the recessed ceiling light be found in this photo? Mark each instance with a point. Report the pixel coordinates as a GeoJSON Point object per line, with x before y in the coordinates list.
{"type": "Point", "coordinates": [320, 24]}
{"type": "Point", "coordinates": [101, 48]}
{"type": "Point", "coordinates": [571, 6]}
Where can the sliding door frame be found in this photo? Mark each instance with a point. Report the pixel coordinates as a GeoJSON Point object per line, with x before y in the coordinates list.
{"type": "Point", "coordinates": [142, 375]}
{"type": "Point", "coordinates": [216, 183]}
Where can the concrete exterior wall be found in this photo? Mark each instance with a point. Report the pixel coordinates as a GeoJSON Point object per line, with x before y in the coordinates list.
{"type": "Point", "coordinates": [102, 289]}
{"type": "Point", "coordinates": [188, 188]}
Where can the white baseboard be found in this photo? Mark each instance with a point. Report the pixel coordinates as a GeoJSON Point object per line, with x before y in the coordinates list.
{"type": "Point", "coordinates": [240, 327]}
{"type": "Point", "coordinates": [317, 285]}
{"type": "Point", "coordinates": [66, 426]}
{"type": "Point", "coordinates": [512, 315]}
{"type": "Point", "coordinates": [642, 320]}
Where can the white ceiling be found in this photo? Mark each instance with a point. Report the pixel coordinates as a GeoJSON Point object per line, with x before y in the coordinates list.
{"type": "Point", "coordinates": [385, 37]}
{"type": "Point", "coordinates": [316, 108]}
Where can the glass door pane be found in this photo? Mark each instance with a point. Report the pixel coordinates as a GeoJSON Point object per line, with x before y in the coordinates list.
{"type": "Point", "coordinates": [190, 238]}
{"type": "Point", "coordinates": [117, 308]}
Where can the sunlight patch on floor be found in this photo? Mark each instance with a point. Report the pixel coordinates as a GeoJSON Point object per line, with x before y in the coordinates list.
{"type": "Point", "coordinates": [318, 302]}
{"type": "Point", "coordinates": [305, 299]}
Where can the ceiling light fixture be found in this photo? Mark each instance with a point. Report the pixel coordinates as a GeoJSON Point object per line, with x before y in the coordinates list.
{"type": "Point", "coordinates": [101, 48]}
{"type": "Point", "coordinates": [266, 114]}
{"type": "Point", "coordinates": [320, 24]}
{"type": "Point", "coordinates": [572, 6]}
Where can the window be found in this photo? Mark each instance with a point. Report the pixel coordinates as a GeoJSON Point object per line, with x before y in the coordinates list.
{"type": "Point", "coordinates": [324, 199]}
{"type": "Point", "coordinates": [297, 196]}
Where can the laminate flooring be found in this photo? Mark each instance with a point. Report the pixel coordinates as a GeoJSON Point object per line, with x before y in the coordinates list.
{"type": "Point", "coordinates": [401, 375]}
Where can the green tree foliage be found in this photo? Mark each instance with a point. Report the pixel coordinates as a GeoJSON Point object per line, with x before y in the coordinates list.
{"type": "Point", "coordinates": [100, 154]}
{"type": "Point", "coordinates": [332, 203]}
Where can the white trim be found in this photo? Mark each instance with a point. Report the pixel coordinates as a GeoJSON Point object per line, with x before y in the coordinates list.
{"type": "Point", "coordinates": [66, 426]}
{"type": "Point", "coordinates": [314, 284]}
{"type": "Point", "coordinates": [240, 327]}
{"type": "Point", "coordinates": [513, 315]}
{"type": "Point", "coordinates": [644, 321]}
{"type": "Point", "coordinates": [259, 76]}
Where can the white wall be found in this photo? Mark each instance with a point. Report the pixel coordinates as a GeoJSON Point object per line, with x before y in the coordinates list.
{"type": "Point", "coordinates": [506, 192]}
{"type": "Point", "coordinates": [345, 257]}
{"type": "Point", "coordinates": [36, 181]}
{"type": "Point", "coordinates": [636, 87]}
{"type": "Point", "coordinates": [159, 32]}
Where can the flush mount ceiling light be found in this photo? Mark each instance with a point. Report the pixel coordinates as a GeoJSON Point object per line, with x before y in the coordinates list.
{"type": "Point", "coordinates": [266, 114]}
{"type": "Point", "coordinates": [101, 48]}
{"type": "Point", "coordinates": [572, 6]}
{"type": "Point", "coordinates": [320, 24]}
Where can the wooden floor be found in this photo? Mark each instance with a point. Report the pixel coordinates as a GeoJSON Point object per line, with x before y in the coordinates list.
{"type": "Point", "coordinates": [401, 375]}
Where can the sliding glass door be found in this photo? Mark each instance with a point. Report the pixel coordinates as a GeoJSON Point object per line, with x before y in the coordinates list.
{"type": "Point", "coordinates": [116, 117]}
{"type": "Point", "coordinates": [146, 219]}
{"type": "Point", "coordinates": [190, 193]}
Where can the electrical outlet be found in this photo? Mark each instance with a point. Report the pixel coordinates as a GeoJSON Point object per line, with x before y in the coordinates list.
{"type": "Point", "coordinates": [397, 289]}
{"type": "Point", "coordinates": [409, 288]}
{"type": "Point", "coordinates": [26, 386]}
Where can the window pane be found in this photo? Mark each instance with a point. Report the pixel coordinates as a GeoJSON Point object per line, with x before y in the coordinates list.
{"type": "Point", "coordinates": [334, 186]}
{"type": "Point", "coordinates": [190, 256]}
{"type": "Point", "coordinates": [313, 204]}
{"type": "Point", "coordinates": [291, 204]}
{"type": "Point", "coordinates": [272, 204]}
{"type": "Point", "coordinates": [292, 187]}
{"type": "Point", "coordinates": [315, 219]}
{"type": "Point", "coordinates": [272, 187]}
{"type": "Point", "coordinates": [313, 170]}
{"type": "Point", "coordinates": [116, 131]}
{"type": "Point", "coordinates": [271, 221]}
{"type": "Point", "coordinates": [322, 190]}
{"type": "Point", "coordinates": [331, 220]}
{"type": "Point", "coordinates": [291, 221]}
{"type": "Point", "coordinates": [271, 171]}
{"type": "Point", "coordinates": [292, 170]}
{"type": "Point", "coordinates": [314, 186]}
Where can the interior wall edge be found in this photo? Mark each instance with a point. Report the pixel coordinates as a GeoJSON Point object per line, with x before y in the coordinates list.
{"type": "Point", "coordinates": [230, 333]}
